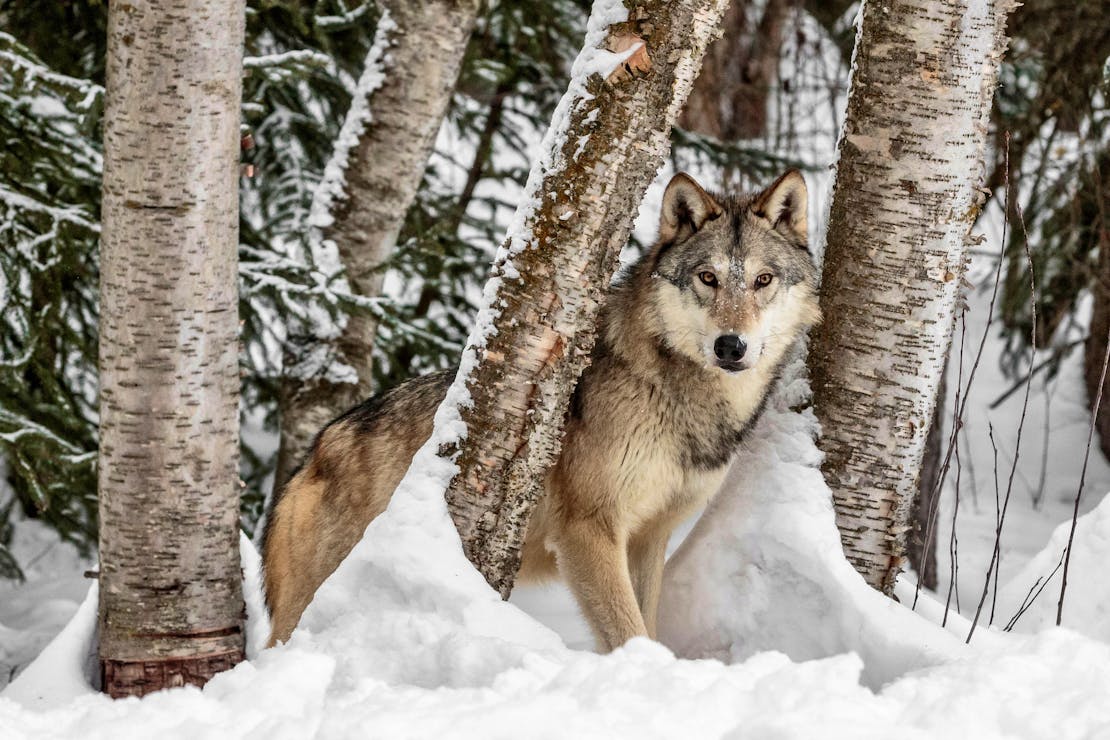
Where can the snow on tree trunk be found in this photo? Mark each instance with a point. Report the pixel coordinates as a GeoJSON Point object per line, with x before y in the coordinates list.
{"type": "Point", "coordinates": [367, 188]}
{"type": "Point", "coordinates": [532, 339]}
{"type": "Point", "coordinates": [171, 603]}
{"type": "Point", "coordinates": [906, 195]}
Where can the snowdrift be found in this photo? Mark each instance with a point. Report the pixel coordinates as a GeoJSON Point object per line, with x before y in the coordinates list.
{"type": "Point", "coordinates": [763, 568]}
{"type": "Point", "coordinates": [1034, 591]}
{"type": "Point", "coordinates": [406, 640]}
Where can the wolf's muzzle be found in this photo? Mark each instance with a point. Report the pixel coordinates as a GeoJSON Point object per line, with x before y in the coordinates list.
{"type": "Point", "coordinates": [730, 348]}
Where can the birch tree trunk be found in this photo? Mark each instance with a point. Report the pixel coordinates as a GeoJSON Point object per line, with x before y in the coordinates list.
{"type": "Point", "coordinates": [371, 182]}
{"type": "Point", "coordinates": [532, 340]}
{"type": "Point", "coordinates": [906, 195]}
{"type": "Point", "coordinates": [171, 605]}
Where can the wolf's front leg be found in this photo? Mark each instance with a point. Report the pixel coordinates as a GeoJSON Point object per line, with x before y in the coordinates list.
{"type": "Point", "coordinates": [646, 552]}
{"type": "Point", "coordinates": [594, 563]}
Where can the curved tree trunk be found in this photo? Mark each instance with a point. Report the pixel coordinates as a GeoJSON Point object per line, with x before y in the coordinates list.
{"type": "Point", "coordinates": [370, 183]}
{"type": "Point", "coordinates": [388, 163]}
{"type": "Point", "coordinates": [906, 196]}
{"type": "Point", "coordinates": [532, 340]}
{"type": "Point", "coordinates": [171, 605]}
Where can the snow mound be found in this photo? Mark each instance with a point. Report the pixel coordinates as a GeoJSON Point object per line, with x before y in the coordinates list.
{"type": "Point", "coordinates": [1087, 600]}
{"type": "Point", "coordinates": [764, 570]}
{"type": "Point", "coordinates": [32, 612]}
{"type": "Point", "coordinates": [61, 671]}
{"type": "Point", "coordinates": [406, 639]}
{"type": "Point", "coordinates": [67, 668]}
{"type": "Point", "coordinates": [401, 656]}
{"type": "Point", "coordinates": [258, 617]}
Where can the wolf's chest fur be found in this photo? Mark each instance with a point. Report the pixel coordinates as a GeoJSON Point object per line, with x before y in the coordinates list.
{"type": "Point", "coordinates": [657, 432]}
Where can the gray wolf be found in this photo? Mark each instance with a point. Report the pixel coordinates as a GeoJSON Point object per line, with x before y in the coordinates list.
{"type": "Point", "coordinates": [690, 343]}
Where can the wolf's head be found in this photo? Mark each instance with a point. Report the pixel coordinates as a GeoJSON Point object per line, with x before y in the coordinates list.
{"type": "Point", "coordinates": [732, 280]}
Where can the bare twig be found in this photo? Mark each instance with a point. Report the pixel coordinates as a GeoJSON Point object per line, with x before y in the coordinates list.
{"type": "Point", "coordinates": [1038, 495]}
{"type": "Point", "coordinates": [953, 540]}
{"type": "Point", "coordinates": [957, 420]}
{"type": "Point", "coordinates": [1058, 354]}
{"type": "Point", "coordinates": [997, 511]}
{"type": "Point", "coordinates": [1030, 597]}
{"type": "Point", "coordinates": [996, 554]}
{"type": "Point", "coordinates": [1103, 219]}
{"type": "Point", "coordinates": [966, 430]}
{"type": "Point", "coordinates": [953, 552]}
{"type": "Point", "coordinates": [931, 522]}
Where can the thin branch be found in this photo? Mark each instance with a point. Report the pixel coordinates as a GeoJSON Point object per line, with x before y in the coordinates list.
{"type": "Point", "coordinates": [1038, 495]}
{"type": "Point", "coordinates": [1031, 597]}
{"type": "Point", "coordinates": [996, 553]}
{"type": "Point", "coordinates": [953, 542]}
{"type": "Point", "coordinates": [1058, 354]}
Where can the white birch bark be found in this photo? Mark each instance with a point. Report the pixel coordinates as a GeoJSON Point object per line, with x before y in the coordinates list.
{"type": "Point", "coordinates": [533, 337]}
{"type": "Point", "coordinates": [907, 193]}
{"type": "Point", "coordinates": [171, 604]}
{"type": "Point", "coordinates": [371, 181]}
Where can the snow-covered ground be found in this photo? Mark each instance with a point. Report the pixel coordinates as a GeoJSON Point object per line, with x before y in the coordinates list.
{"type": "Point", "coordinates": [1046, 479]}
{"type": "Point", "coordinates": [777, 635]}
{"type": "Point", "coordinates": [406, 640]}
{"type": "Point", "coordinates": [31, 613]}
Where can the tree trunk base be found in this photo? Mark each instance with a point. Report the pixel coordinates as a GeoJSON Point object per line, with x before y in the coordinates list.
{"type": "Point", "coordinates": [122, 678]}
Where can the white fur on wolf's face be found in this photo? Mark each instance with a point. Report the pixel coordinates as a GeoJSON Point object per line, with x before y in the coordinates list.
{"type": "Point", "coordinates": [766, 330]}
{"type": "Point", "coordinates": [734, 278]}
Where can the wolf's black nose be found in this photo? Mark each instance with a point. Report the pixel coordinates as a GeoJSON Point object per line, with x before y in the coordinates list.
{"type": "Point", "coordinates": [730, 348]}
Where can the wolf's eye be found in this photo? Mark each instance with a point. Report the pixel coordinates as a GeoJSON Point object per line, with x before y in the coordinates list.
{"type": "Point", "coordinates": [708, 278]}
{"type": "Point", "coordinates": [764, 280]}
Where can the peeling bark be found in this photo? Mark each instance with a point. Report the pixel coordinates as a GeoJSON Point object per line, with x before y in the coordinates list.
{"type": "Point", "coordinates": [556, 264]}
{"type": "Point", "coordinates": [171, 604]}
{"type": "Point", "coordinates": [906, 195]}
{"type": "Point", "coordinates": [382, 176]}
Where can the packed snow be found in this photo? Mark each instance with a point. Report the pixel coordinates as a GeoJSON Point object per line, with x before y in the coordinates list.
{"type": "Point", "coordinates": [764, 570]}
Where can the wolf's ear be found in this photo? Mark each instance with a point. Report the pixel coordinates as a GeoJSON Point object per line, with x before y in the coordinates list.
{"type": "Point", "coordinates": [686, 208]}
{"type": "Point", "coordinates": [784, 205]}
